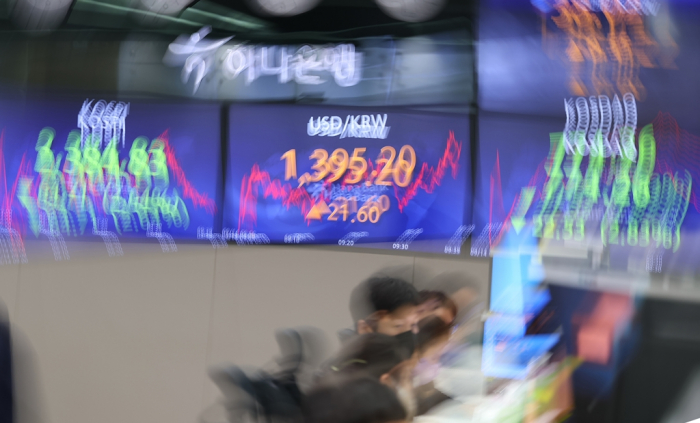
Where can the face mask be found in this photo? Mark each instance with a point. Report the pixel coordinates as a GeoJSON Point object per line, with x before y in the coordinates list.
{"type": "Point", "coordinates": [407, 340]}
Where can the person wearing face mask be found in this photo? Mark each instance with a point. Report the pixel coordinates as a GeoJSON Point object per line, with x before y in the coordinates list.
{"type": "Point", "coordinates": [387, 359]}
{"type": "Point", "coordinates": [431, 341]}
{"type": "Point", "coordinates": [385, 305]}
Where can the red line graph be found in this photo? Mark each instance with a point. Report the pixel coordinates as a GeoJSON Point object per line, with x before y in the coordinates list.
{"type": "Point", "coordinates": [189, 191]}
{"type": "Point", "coordinates": [497, 212]}
{"type": "Point", "coordinates": [677, 149]}
{"type": "Point", "coordinates": [428, 179]}
{"type": "Point", "coordinates": [250, 186]}
{"type": "Point", "coordinates": [7, 198]}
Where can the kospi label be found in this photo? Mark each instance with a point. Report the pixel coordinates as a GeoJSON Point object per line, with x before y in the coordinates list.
{"type": "Point", "coordinates": [355, 126]}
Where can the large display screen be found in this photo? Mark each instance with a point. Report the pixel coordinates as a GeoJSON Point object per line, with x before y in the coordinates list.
{"type": "Point", "coordinates": [588, 134]}
{"type": "Point", "coordinates": [108, 169]}
{"type": "Point", "coordinates": [381, 178]}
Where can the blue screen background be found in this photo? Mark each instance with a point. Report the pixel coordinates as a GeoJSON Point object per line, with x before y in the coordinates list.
{"type": "Point", "coordinates": [262, 134]}
{"type": "Point", "coordinates": [194, 132]}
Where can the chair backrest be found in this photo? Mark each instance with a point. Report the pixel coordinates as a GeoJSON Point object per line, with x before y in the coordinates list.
{"type": "Point", "coordinates": [277, 394]}
{"type": "Point", "coordinates": [313, 351]}
{"type": "Point", "coordinates": [291, 348]}
{"type": "Point", "coordinates": [345, 335]}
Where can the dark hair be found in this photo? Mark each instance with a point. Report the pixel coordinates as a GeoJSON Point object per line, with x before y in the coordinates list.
{"type": "Point", "coordinates": [360, 400]}
{"type": "Point", "coordinates": [430, 329]}
{"type": "Point", "coordinates": [441, 298]}
{"type": "Point", "coordinates": [381, 293]}
{"type": "Point", "coordinates": [371, 355]}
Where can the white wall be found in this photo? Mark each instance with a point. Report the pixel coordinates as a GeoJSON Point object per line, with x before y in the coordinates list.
{"type": "Point", "coordinates": [129, 339]}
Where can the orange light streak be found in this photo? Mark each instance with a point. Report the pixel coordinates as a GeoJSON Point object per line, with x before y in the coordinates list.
{"type": "Point", "coordinates": [612, 46]}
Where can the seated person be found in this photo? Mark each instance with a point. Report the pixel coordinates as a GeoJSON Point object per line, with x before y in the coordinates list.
{"type": "Point", "coordinates": [466, 295]}
{"type": "Point", "coordinates": [431, 341]}
{"type": "Point", "coordinates": [358, 400]}
{"type": "Point", "coordinates": [436, 303]}
{"type": "Point", "coordinates": [385, 305]}
{"type": "Point", "coordinates": [380, 357]}
{"type": "Point", "coordinates": [433, 336]}
{"type": "Point", "coordinates": [463, 351]}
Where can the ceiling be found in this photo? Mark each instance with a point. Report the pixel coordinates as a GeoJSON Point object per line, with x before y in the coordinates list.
{"type": "Point", "coordinates": [338, 15]}
{"type": "Point", "coordinates": [346, 18]}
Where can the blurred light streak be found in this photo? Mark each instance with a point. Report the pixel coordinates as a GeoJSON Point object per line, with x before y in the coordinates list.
{"type": "Point", "coordinates": [298, 238]}
{"type": "Point", "coordinates": [188, 190]}
{"type": "Point", "coordinates": [617, 126]}
{"type": "Point", "coordinates": [48, 227]}
{"type": "Point", "coordinates": [217, 240]}
{"type": "Point", "coordinates": [454, 245]}
{"type": "Point", "coordinates": [244, 237]}
{"type": "Point", "coordinates": [301, 197]}
{"type": "Point", "coordinates": [636, 7]}
{"type": "Point", "coordinates": [11, 243]}
{"type": "Point", "coordinates": [639, 204]}
{"type": "Point", "coordinates": [93, 182]}
{"type": "Point", "coordinates": [613, 44]}
{"type": "Point", "coordinates": [63, 193]}
{"type": "Point", "coordinates": [351, 238]}
{"type": "Point", "coordinates": [114, 248]}
{"type": "Point", "coordinates": [481, 247]}
{"type": "Point", "coordinates": [677, 148]}
{"type": "Point", "coordinates": [199, 56]}
{"type": "Point", "coordinates": [430, 177]}
{"type": "Point", "coordinates": [39, 15]}
{"type": "Point", "coordinates": [103, 121]}
{"type": "Point", "coordinates": [167, 243]}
